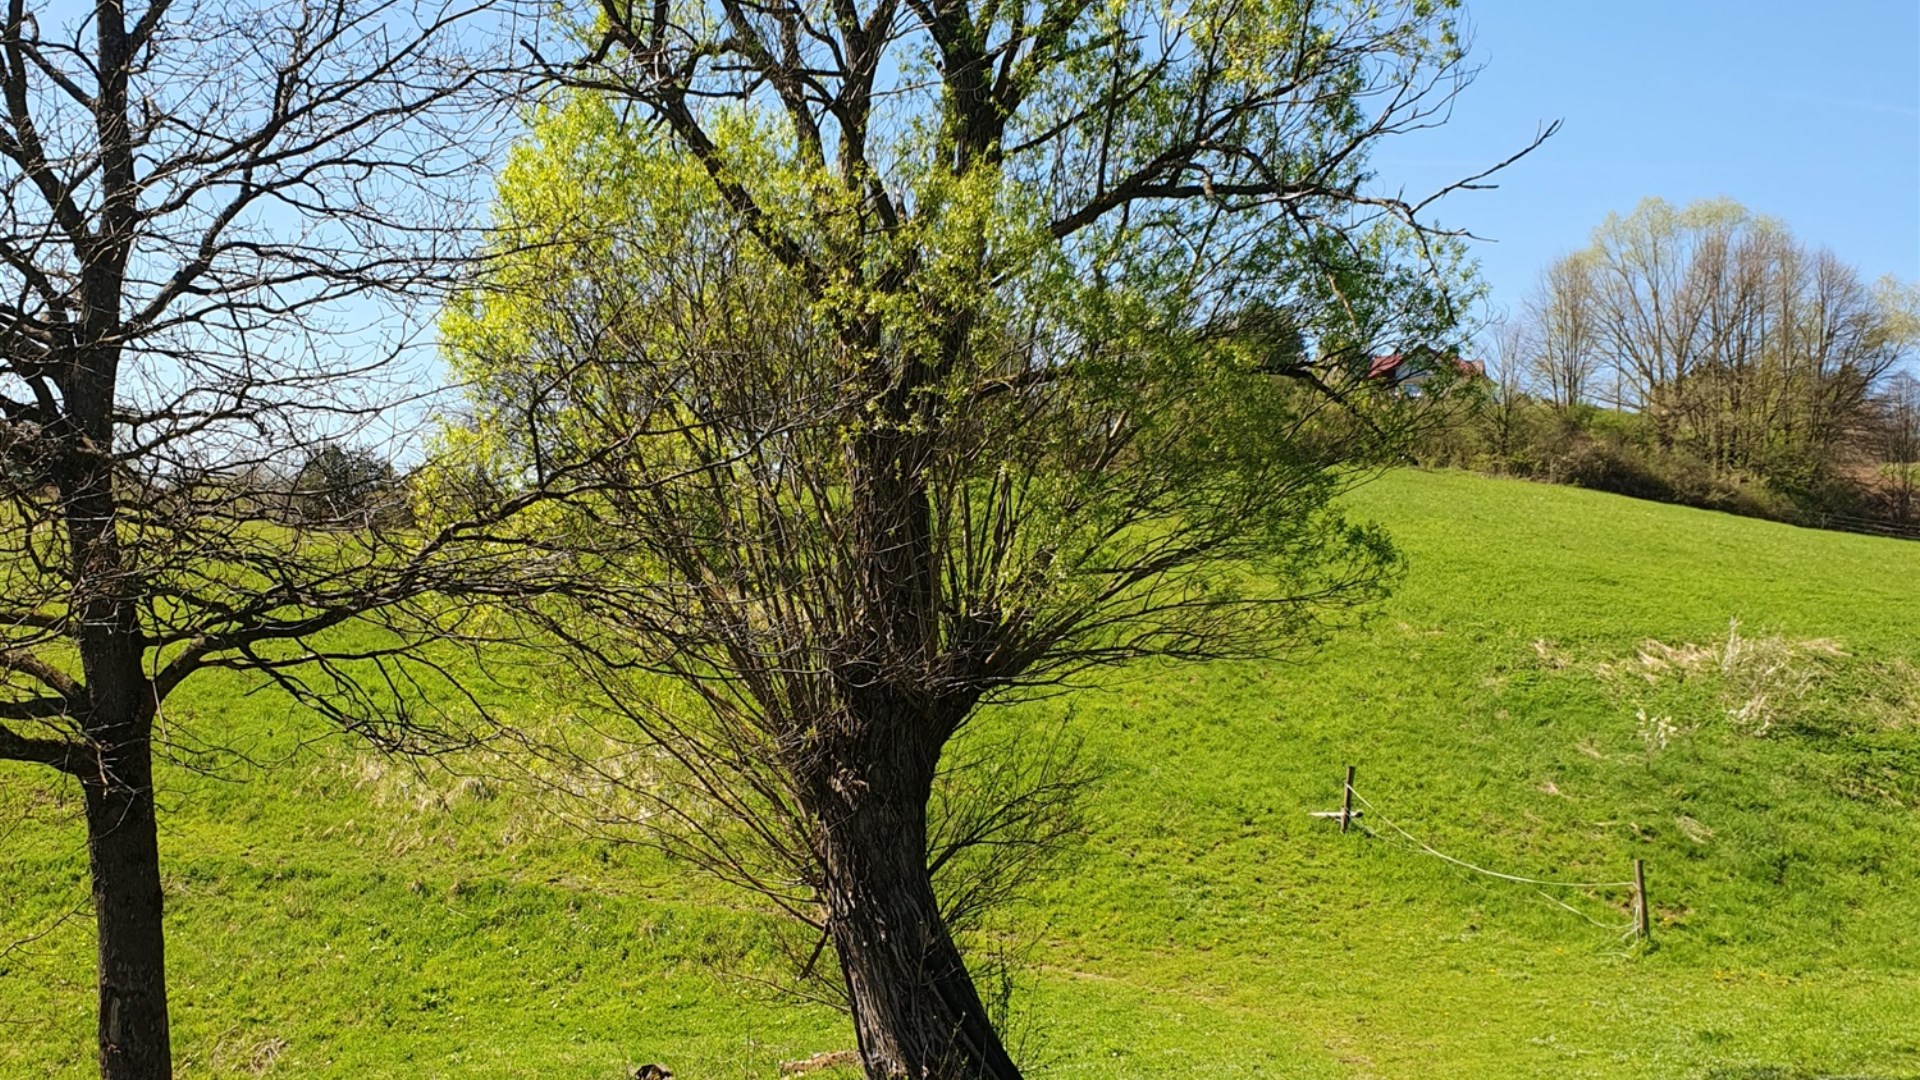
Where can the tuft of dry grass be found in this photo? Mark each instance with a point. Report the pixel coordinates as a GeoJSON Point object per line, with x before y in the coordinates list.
{"type": "Point", "coordinates": [832, 1059]}
{"type": "Point", "coordinates": [1551, 655]}
{"type": "Point", "coordinates": [1896, 703]}
{"type": "Point", "coordinates": [245, 1055]}
{"type": "Point", "coordinates": [1657, 731]}
{"type": "Point", "coordinates": [1759, 681]}
{"type": "Point", "coordinates": [1693, 829]}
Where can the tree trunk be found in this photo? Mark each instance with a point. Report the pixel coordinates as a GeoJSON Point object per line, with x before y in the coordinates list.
{"type": "Point", "coordinates": [915, 1009]}
{"type": "Point", "coordinates": [123, 849]}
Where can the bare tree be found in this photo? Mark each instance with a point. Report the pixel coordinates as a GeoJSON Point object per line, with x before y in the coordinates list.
{"type": "Point", "coordinates": [1514, 355]}
{"type": "Point", "coordinates": [1650, 306]}
{"type": "Point", "coordinates": [205, 201]}
{"type": "Point", "coordinates": [1564, 331]}
{"type": "Point", "coordinates": [1897, 440]}
{"type": "Point", "coordinates": [956, 348]}
{"type": "Point", "coordinates": [1731, 338]}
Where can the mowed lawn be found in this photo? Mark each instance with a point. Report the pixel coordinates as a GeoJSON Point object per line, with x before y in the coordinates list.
{"type": "Point", "coordinates": [1551, 693]}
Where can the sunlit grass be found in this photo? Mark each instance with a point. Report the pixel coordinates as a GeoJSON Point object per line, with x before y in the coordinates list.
{"type": "Point", "coordinates": [342, 915]}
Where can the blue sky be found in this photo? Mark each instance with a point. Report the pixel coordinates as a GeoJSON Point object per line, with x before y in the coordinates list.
{"type": "Point", "coordinates": [1808, 112]}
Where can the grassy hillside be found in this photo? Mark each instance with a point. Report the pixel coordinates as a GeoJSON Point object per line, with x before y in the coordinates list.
{"type": "Point", "coordinates": [1552, 693]}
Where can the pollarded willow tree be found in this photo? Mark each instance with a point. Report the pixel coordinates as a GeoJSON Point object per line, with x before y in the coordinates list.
{"type": "Point", "coordinates": [202, 200]}
{"type": "Point", "coordinates": [935, 353]}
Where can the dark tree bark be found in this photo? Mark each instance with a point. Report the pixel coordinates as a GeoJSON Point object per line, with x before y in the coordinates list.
{"type": "Point", "coordinates": [124, 857]}
{"type": "Point", "coordinates": [916, 1011]}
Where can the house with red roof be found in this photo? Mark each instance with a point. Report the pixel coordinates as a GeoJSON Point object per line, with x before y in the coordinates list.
{"type": "Point", "coordinates": [1406, 371]}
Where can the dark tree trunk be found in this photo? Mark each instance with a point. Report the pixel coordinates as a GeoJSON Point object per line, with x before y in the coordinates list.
{"type": "Point", "coordinates": [122, 833]}
{"type": "Point", "coordinates": [123, 849]}
{"type": "Point", "coordinates": [915, 1009]}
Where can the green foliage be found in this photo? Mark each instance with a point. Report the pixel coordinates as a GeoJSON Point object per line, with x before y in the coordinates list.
{"type": "Point", "coordinates": [343, 916]}
{"type": "Point", "coordinates": [634, 300]}
{"type": "Point", "coordinates": [1105, 463]}
{"type": "Point", "coordinates": [1617, 451]}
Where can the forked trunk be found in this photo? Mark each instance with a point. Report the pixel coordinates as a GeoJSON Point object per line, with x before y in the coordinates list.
{"type": "Point", "coordinates": [123, 849]}
{"type": "Point", "coordinates": [915, 1009]}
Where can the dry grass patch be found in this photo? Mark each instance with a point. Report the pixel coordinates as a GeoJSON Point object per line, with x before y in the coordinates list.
{"type": "Point", "coordinates": [1759, 681]}
{"type": "Point", "coordinates": [1895, 704]}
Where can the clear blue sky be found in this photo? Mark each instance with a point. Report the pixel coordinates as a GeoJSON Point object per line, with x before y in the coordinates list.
{"type": "Point", "coordinates": [1808, 112]}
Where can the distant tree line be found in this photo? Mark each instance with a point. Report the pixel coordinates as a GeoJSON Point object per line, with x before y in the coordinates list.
{"type": "Point", "coordinates": [1704, 355]}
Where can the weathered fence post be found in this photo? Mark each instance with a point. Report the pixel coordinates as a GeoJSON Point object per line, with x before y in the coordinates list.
{"type": "Point", "coordinates": [1346, 801]}
{"type": "Point", "coordinates": [1642, 916]}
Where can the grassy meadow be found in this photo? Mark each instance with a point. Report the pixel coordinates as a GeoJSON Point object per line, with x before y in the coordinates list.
{"type": "Point", "coordinates": [1564, 682]}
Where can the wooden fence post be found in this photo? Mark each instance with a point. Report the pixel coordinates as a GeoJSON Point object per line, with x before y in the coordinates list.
{"type": "Point", "coordinates": [1642, 916]}
{"type": "Point", "coordinates": [1346, 801]}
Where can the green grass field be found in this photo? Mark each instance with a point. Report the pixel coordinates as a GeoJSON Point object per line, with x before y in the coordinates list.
{"type": "Point", "coordinates": [1551, 693]}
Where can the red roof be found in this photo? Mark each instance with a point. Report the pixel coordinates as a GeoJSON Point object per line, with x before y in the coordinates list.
{"type": "Point", "coordinates": [1388, 366]}
{"type": "Point", "coordinates": [1384, 366]}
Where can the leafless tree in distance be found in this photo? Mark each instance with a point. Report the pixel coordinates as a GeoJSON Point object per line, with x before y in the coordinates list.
{"type": "Point", "coordinates": [1729, 336]}
{"type": "Point", "coordinates": [1896, 440]}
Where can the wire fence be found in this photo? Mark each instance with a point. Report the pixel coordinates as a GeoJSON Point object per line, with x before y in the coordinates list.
{"type": "Point", "coordinates": [1899, 530]}
{"type": "Point", "coordinates": [1634, 927]}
